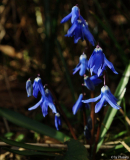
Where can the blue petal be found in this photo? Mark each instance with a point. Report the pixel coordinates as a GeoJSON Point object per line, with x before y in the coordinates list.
{"type": "Point", "coordinates": [92, 99]}
{"type": "Point", "coordinates": [84, 22]}
{"type": "Point", "coordinates": [111, 101]}
{"type": "Point", "coordinates": [95, 80]}
{"type": "Point", "coordinates": [66, 18]}
{"type": "Point", "coordinates": [29, 88]}
{"type": "Point", "coordinates": [35, 89]}
{"type": "Point", "coordinates": [78, 104]}
{"type": "Point", "coordinates": [76, 69]}
{"type": "Point", "coordinates": [41, 88]}
{"type": "Point", "coordinates": [49, 95]}
{"type": "Point", "coordinates": [88, 35]}
{"type": "Point", "coordinates": [82, 70]}
{"type": "Point", "coordinates": [89, 84]}
{"type": "Point", "coordinates": [44, 107]}
{"type": "Point", "coordinates": [36, 105]}
{"type": "Point", "coordinates": [52, 106]}
{"type": "Point", "coordinates": [71, 30]}
{"type": "Point", "coordinates": [99, 105]}
{"type": "Point", "coordinates": [110, 65]}
{"type": "Point", "coordinates": [75, 14]}
{"type": "Point", "coordinates": [58, 123]}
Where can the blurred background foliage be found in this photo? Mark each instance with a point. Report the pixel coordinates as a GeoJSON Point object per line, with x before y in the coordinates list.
{"type": "Point", "coordinates": [32, 41]}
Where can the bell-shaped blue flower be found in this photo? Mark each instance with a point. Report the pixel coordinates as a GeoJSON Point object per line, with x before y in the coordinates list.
{"type": "Point", "coordinates": [58, 122]}
{"type": "Point", "coordinates": [79, 30]}
{"type": "Point", "coordinates": [82, 66]}
{"type": "Point", "coordinates": [29, 88]}
{"type": "Point", "coordinates": [44, 103]}
{"type": "Point", "coordinates": [38, 87]}
{"type": "Point", "coordinates": [87, 132]}
{"type": "Point", "coordinates": [106, 97]}
{"type": "Point", "coordinates": [79, 104]}
{"type": "Point", "coordinates": [74, 15]}
{"type": "Point", "coordinates": [91, 82]}
{"type": "Point", "coordinates": [98, 62]}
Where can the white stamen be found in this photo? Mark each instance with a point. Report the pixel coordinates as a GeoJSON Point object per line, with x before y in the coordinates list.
{"type": "Point", "coordinates": [83, 56]}
{"type": "Point", "coordinates": [57, 114]}
{"type": "Point", "coordinates": [97, 49]}
{"type": "Point", "coordinates": [37, 79]}
{"type": "Point", "coordinates": [79, 21]}
{"type": "Point", "coordinates": [105, 88]}
{"type": "Point", "coordinates": [47, 90]}
{"type": "Point", "coordinates": [86, 77]}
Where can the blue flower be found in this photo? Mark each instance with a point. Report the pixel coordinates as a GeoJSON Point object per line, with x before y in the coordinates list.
{"type": "Point", "coordinates": [91, 82]}
{"type": "Point", "coordinates": [106, 97]}
{"type": "Point", "coordinates": [44, 103]}
{"type": "Point", "coordinates": [82, 66]}
{"type": "Point", "coordinates": [79, 104]}
{"type": "Point", "coordinates": [87, 132]}
{"type": "Point", "coordinates": [58, 123]}
{"type": "Point", "coordinates": [74, 15]}
{"type": "Point", "coordinates": [29, 88]}
{"type": "Point", "coordinates": [98, 62]}
{"type": "Point", "coordinates": [38, 87]}
{"type": "Point", "coordinates": [79, 30]}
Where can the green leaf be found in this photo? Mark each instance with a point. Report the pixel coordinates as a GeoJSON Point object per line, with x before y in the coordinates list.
{"type": "Point", "coordinates": [111, 112]}
{"type": "Point", "coordinates": [28, 153]}
{"type": "Point", "coordinates": [19, 138]}
{"type": "Point", "coordinates": [9, 135]}
{"type": "Point", "coordinates": [31, 124]}
{"type": "Point", "coordinates": [28, 146]}
{"type": "Point", "coordinates": [76, 151]}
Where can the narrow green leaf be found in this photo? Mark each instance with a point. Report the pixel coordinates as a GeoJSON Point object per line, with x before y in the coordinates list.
{"type": "Point", "coordinates": [31, 124]}
{"type": "Point", "coordinates": [76, 151]}
{"type": "Point", "coordinates": [111, 112]}
{"type": "Point", "coordinates": [29, 153]}
{"type": "Point", "coordinates": [28, 146]}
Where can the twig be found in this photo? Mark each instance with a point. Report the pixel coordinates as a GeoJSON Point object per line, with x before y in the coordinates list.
{"type": "Point", "coordinates": [64, 146]}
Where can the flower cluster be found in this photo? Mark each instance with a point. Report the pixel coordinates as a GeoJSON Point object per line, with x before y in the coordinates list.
{"type": "Point", "coordinates": [45, 101]}
{"type": "Point", "coordinates": [79, 29]}
{"type": "Point", "coordinates": [96, 64]}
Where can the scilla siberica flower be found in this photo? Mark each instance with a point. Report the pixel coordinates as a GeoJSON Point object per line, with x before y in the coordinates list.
{"type": "Point", "coordinates": [46, 97]}
{"type": "Point", "coordinates": [29, 88]}
{"type": "Point", "coordinates": [79, 30]}
{"type": "Point", "coordinates": [106, 97]}
{"type": "Point", "coordinates": [98, 62]}
{"type": "Point", "coordinates": [87, 132]}
{"type": "Point", "coordinates": [58, 123]}
{"type": "Point", "coordinates": [82, 66]}
{"type": "Point", "coordinates": [79, 104]}
{"type": "Point", "coordinates": [38, 87]}
{"type": "Point", "coordinates": [91, 82]}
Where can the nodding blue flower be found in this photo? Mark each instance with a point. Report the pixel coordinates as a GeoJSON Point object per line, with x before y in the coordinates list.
{"type": "Point", "coordinates": [74, 15]}
{"type": "Point", "coordinates": [38, 87]}
{"type": "Point", "coordinates": [79, 104]}
{"type": "Point", "coordinates": [98, 62]}
{"type": "Point", "coordinates": [44, 103]}
{"type": "Point", "coordinates": [79, 30]}
{"type": "Point", "coordinates": [82, 66]}
{"type": "Point", "coordinates": [87, 132]}
{"type": "Point", "coordinates": [106, 97]}
{"type": "Point", "coordinates": [58, 122]}
{"type": "Point", "coordinates": [91, 82]}
{"type": "Point", "coordinates": [29, 88]}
